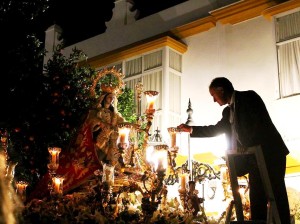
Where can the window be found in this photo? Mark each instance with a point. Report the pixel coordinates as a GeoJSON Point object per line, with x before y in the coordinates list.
{"type": "Point", "coordinates": [156, 70]}
{"type": "Point", "coordinates": [175, 61]}
{"type": "Point", "coordinates": [133, 67]}
{"type": "Point", "coordinates": [153, 60]}
{"type": "Point", "coordinates": [288, 53]}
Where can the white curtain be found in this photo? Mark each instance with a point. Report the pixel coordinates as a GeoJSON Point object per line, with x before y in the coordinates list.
{"type": "Point", "coordinates": [133, 67]}
{"type": "Point", "coordinates": [175, 61]}
{"type": "Point", "coordinates": [288, 41]}
{"type": "Point", "coordinates": [174, 99]}
{"type": "Point", "coordinates": [153, 60]}
{"type": "Point", "coordinates": [289, 68]}
{"type": "Point", "coordinates": [132, 85]}
{"type": "Point", "coordinates": [288, 27]}
{"type": "Point", "coordinates": [175, 93]}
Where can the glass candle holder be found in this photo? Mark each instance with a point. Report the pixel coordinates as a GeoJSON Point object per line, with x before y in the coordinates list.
{"type": "Point", "coordinates": [172, 132]}
{"type": "Point", "coordinates": [54, 154]}
{"type": "Point", "coordinates": [123, 130]}
{"type": "Point", "coordinates": [151, 98]}
{"type": "Point", "coordinates": [57, 185]}
{"type": "Point", "coordinates": [21, 189]}
{"type": "Point", "coordinates": [160, 155]}
{"type": "Point", "coordinates": [108, 174]}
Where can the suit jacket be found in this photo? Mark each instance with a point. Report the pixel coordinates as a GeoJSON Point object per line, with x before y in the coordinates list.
{"type": "Point", "coordinates": [252, 124]}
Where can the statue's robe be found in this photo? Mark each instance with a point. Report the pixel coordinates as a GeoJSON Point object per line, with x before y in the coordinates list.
{"type": "Point", "coordinates": [76, 166]}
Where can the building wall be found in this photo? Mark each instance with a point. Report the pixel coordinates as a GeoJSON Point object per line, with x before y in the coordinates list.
{"type": "Point", "coordinates": [245, 53]}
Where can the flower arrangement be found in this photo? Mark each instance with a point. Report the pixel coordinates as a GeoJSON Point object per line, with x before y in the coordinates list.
{"type": "Point", "coordinates": [90, 205]}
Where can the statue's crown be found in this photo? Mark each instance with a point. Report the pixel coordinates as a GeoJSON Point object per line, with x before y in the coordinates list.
{"type": "Point", "coordinates": [110, 80]}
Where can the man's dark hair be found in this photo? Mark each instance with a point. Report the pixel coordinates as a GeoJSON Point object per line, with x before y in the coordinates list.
{"type": "Point", "coordinates": [222, 82]}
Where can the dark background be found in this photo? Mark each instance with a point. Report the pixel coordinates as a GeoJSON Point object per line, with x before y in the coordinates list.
{"type": "Point", "coordinates": [80, 21]}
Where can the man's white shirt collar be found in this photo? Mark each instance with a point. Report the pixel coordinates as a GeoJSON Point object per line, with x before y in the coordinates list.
{"type": "Point", "coordinates": [232, 99]}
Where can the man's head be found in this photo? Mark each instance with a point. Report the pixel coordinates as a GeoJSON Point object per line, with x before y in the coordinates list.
{"type": "Point", "coordinates": [221, 90]}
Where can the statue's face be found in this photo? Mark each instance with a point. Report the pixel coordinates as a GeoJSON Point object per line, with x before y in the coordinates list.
{"type": "Point", "coordinates": [110, 98]}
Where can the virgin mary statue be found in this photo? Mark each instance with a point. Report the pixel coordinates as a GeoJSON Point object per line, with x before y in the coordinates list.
{"type": "Point", "coordinates": [96, 141]}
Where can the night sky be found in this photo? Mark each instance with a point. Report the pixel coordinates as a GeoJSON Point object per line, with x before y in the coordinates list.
{"type": "Point", "coordinates": [81, 21]}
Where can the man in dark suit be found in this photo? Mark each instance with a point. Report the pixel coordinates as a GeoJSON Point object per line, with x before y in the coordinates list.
{"type": "Point", "coordinates": [246, 123]}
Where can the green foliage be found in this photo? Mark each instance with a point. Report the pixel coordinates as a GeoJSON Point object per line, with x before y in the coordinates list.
{"type": "Point", "coordinates": [22, 90]}
{"type": "Point", "coordinates": [54, 110]}
{"type": "Point", "coordinates": [66, 91]}
{"type": "Point", "coordinates": [126, 105]}
{"type": "Point", "coordinates": [109, 79]}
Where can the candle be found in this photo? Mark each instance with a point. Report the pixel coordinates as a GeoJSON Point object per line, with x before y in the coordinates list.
{"type": "Point", "coordinates": [172, 131]}
{"type": "Point", "coordinates": [161, 157]}
{"type": "Point", "coordinates": [173, 139]}
{"type": "Point", "coordinates": [160, 165]}
{"type": "Point", "coordinates": [53, 157]}
{"type": "Point", "coordinates": [58, 185]}
{"type": "Point", "coordinates": [122, 137]}
{"type": "Point", "coordinates": [151, 105]}
{"type": "Point", "coordinates": [54, 154]}
{"type": "Point", "coordinates": [183, 180]}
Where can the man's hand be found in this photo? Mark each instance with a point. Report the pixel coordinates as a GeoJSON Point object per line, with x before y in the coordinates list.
{"type": "Point", "coordinates": [185, 128]}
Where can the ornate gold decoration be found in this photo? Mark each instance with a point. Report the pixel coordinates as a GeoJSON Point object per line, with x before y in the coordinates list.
{"type": "Point", "coordinates": [108, 87]}
{"type": "Point", "coordinates": [139, 90]}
